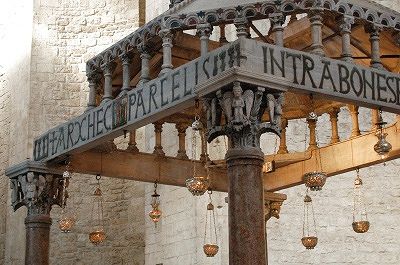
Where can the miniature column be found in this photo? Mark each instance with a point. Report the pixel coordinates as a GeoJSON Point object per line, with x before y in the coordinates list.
{"type": "Point", "coordinates": [222, 36]}
{"type": "Point", "coordinates": [126, 74]}
{"type": "Point", "coordinates": [282, 144]}
{"type": "Point", "coordinates": [204, 31]}
{"type": "Point", "coordinates": [345, 31]}
{"type": "Point", "coordinates": [94, 78]}
{"type": "Point", "coordinates": [277, 21]}
{"type": "Point", "coordinates": [355, 131]}
{"type": "Point", "coordinates": [132, 146]}
{"type": "Point", "coordinates": [158, 149]}
{"type": "Point", "coordinates": [181, 127]}
{"type": "Point", "coordinates": [37, 188]}
{"type": "Point", "coordinates": [108, 70]}
{"type": "Point", "coordinates": [334, 125]}
{"type": "Point", "coordinates": [316, 32]}
{"type": "Point", "coordinates": [166, 36]}
{"type": "Point", "coordinates": [374, 38]}
{"type": "Point", "coordinates": [245, 161]}
{"type": "Point", "coordinates": [312, 125]}
{"type": "Point", "coordinates": [241, 28]}
{"type": "Point", "coordinates": [145, 57]}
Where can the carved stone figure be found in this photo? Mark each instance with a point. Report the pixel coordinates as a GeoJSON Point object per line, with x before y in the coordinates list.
{"type": "Point", "coordinates": [275, 108]}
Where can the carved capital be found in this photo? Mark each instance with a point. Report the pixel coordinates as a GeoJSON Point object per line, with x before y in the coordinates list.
{"type": "Point", "coordinates": [166, 36]}
{"type": "Point", "coordinates": [172, 3]}
{"type": "Point", "coordinates": [94, 77]}
{"type": "Point", "coordinates": [35, 186]}
{"type": "Point", "coordinates": [108, 68]}
{"type": "Point", "coordinates": [204, 30]}
{"type": "Point", "coordinates": [277, 19]}
{"type": "Point", "coordinates": [243, 107]}
{"type": "Point", "coordinates": [143, 49]}
{"type": "Point", "coordinates": [345, 24]}
{"type": "Point", "coordinates": [374, 30]}
{"type": "Point", "coordinates": [126, 58]}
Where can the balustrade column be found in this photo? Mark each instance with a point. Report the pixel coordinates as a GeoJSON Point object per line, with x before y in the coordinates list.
{"type": "Point", "coordinates": [145, 57]}
{"type": "Point", "coordinates": [158, 149]}
{"type": "Point", "coordinates": [334, 125]}
{"type": "Point", "coordinates": [108, 70]}
{"type": "Point", "coordinates": [312, 125]}
{"type": "Point", "coordinates": [181, 127]}
{"type": "Point", "coordinates": [37, 188]}
{"type": "Point", "coordinates": [277, 21]}
{"type": "Point", "coordinates": [126, 74]}
{"type": "Point", "coordinates": [245, 161]}
{"type": "Point", "coordinates": [222, 36]}
{"type": "Point", "coordinates": [374, 38]}
{"type": "Point", "coordinates": [204, 148]}
{"type": "Point", "coordinates": [374, 119]}
{"type": "Point", "coordinates": [94, 78]}
{"type": "Point", "coordinates": [204, 31]}
{"type": "Point", "coordinates": [241, 28]}
{"type": "Point", "coordinates": [345, 31]}
{"type": "Point", "coordinates": [166, 36]}
{"type": "Point", "coordinates": [355, 131]}
{"type": "Point", "coordinates": [132, 145]}
{"type": "Point", "coordinates": [316, 32]}
{"type": "Point", "coordinates": [282, 144]}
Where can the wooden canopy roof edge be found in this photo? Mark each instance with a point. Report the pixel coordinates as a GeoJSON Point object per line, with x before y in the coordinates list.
{"type": "Point", "coordinates": [365, 11]}
{"type": "Point", "coordinates": [356, 152]}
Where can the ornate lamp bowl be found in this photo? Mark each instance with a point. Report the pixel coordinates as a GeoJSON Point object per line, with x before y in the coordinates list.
{"type": "Point", "coordinates": [315, 180]}
{"type": "Point", "coordinates": [197, 185]}
{"type": "Point", "coordinates": [382, 147]}
{"type": "Point", "coordinates": [361, 227]}
{"type": "Point", "coordinates": [66, 224]}
{"type": "Point", "coordinates": [210, 250]}
{"type": "Point", "coordinates": [155, 215]}
{"type": "Point", "coordinates": [309, 242]}
{"type": "Point", "coordinates": [97, 237]}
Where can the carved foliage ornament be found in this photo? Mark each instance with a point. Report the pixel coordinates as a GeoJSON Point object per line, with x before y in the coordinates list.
{"type": "Point", "coordinates": [238, 113]}
{"type": "Point", "coordinates": [38, 192]}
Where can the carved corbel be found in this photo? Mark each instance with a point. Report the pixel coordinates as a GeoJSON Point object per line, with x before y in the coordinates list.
{"type": "Point", "coordinates": [273, 203]}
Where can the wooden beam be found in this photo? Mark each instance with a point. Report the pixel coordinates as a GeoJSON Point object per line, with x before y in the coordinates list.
{"type": "Point", "coordinates": [336, 159]}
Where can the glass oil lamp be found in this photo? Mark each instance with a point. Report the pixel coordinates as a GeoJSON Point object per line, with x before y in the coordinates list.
{"type": "Point", "coordinates": [360, 218]}
{"type": "Point", "coordinates": [309, 240]}
{"type": "Point", "coordinates": [315, 180]}
{"type": "Point", "coordinates": [197, 185]}
{"type": "Point", "coordinates": [210, 246]}
{"type": "Point", "coordinates": [97, 235]}
{"type": "Point", "coordinates": [155, 213]}
{"type": "Point", "coordinates": [67, 218]}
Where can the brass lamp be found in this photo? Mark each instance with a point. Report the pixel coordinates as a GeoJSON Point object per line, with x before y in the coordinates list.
{"type": "Point", "coordinates": [210, 246]}
{"type": "Point", "coordinates": [360, 218]}
{"type": "Point", "coordinates": [309, 240]}
{"type": "Point", "coordinates": [382, 147]}
{"type": "Point", "coordinates": [155, 213]}
{"type": "Point", "coordinates": [97, 235]}
{"type": "Point", "coordinates": [67, 219]}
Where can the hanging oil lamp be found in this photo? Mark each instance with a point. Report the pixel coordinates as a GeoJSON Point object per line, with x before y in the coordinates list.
{"type": "Point", "coordinates": [197, 185]}
{"type": "Point", "coordinates": [309, 239]}
{"type": "Point", "coordinates": [155, 213]}
{"type": "Point", "coordinates": [382, 147]}
{"type": "Point", "coordinates": [210, 246]}
{"type": "Point", "coordinates": [360, 218]}
{"type": "Point", "coordinates": [97, 236]}
{"type": "Point", "coordinates": [67, 218]}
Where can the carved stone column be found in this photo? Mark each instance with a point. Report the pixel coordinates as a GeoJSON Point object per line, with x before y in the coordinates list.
{"type": "Point", "coordinates": [37, 188]}
{"type": "Point", "coordinates": [222, 35]}
{"type": "Point", "coordinates": [241, 28]}
{"type": "Point", "coordinates": [108, 69]}
{"type": "Point", "coordinates": [345, 31]}
{"type": "Point", "coordinates": [316, 32]}
{"type": "Point", "coordinates": [374, 32]}
{"type": "Point", "coordinates": [126, 74]}
{"type": "Point", "coordinates": [334, 124]}
{"type": "Point", "coordinates": [94, 78]}
{"type": "Point", "coordinates": [145, 57]}
{"type": "Point", "coordinates": [181, 127]}
{"type": "Point", "coordinates": [132, 146]}
{"type": "Point", "coordinates": [277, 21]}
{"type": "Point", "coordinates": [282, 143]}
{"type": "Point", "coordinates": [243, 108]}
{"type": "Point", "coordinates": [204, 31]}
{"type": "Point", "coordinates": [166, 36]}
{"type": "Point", "coordinates": [355, 131]}
{"type": "Point", "coordinates": [158, 149]}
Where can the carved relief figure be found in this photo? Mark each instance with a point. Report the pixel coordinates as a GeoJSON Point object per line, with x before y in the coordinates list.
{"type": "Point", "coordinates": [275, 108]}
{"type": "Point", "coordinates": [238, 104]}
